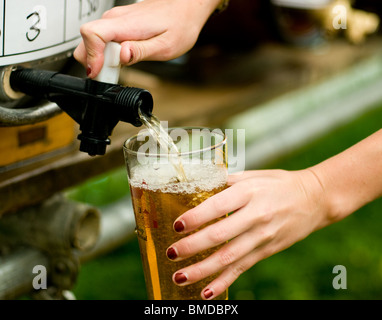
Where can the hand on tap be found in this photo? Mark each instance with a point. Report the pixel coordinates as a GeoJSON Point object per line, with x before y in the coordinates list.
{"type": "Point", "coordinates": [149, 30]}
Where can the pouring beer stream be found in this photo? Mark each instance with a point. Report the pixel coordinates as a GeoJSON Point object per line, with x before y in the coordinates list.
{"type": "Point", "coordinates": [110, 74]}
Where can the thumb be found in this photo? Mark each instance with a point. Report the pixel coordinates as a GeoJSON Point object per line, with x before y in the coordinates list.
{"type": "Point", "coordinates": [90, 51]}
{"type": "Point", "coordinates": [92, 62]}
{"type": "Point", "coordinates": [94, 58]}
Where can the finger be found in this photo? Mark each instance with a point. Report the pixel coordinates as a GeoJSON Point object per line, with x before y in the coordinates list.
{"type": "Point", "coordinates": [266, 248]}
{"type": "Point", "coordinates": [220, 204]}
{"type": "Point", "coordinates": [218, 261]}
{"type": "Point", "coordinates": [235, 269]}
{"type": "Point", "coordinates": [95, 38]}
{"type": "Point", "coordinates": [230, 274]}
{"type": "Point", "coordinates": [97, 33]}
{"type": "Point", "coordinates": [210, 236]}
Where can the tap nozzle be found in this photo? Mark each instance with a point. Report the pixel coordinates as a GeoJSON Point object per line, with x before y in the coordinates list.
{"type": "Point", "coordinates": [96, 106]}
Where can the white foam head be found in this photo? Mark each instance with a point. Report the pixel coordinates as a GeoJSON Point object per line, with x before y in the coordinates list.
{"type": "Point", "coordinates": [162, 177]}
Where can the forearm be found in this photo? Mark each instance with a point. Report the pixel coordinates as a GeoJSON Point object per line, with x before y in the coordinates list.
{"type": "Point", "coordinates": [352, 178]}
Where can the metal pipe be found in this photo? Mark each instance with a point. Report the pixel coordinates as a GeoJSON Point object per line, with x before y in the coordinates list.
{"type": "Point", "coordinates": [117, 226]}
{"type": "Point", "coordinates": [55, 226]}
{"type": "Point", "coordinates": [44, 110]}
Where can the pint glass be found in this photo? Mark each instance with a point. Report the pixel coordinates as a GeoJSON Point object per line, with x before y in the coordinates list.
{"type": "Point", "coordinates": [160, 195]}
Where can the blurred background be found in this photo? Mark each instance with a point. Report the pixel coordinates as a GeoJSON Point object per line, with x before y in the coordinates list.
{"type": "Point", "coordinates": [304, 79]}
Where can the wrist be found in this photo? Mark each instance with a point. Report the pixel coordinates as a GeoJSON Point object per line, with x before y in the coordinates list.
{"type": "Point", "coordinates": [335, 201]}
{"type": "Point", "coordinates": [317, 199]}
{"type": "Point", "coordinates": [351, 179]}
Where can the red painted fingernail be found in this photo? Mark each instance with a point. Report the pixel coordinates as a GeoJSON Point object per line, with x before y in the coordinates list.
{"type": "Point", "coordinates": [171, 253]}
{"type": "Point", "coordinates": [131, 56]}
{"type": "Point", "coordinates": [179, 226]}
{"type": "Point", "coordinates": [88, 71]}
{"type": "Point", "coordinates": [180, 278]}
{"type": "Point", "coordinates": [208, 293]}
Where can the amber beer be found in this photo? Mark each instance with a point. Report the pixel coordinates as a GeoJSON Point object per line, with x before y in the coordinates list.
{"type": "Point", "coordinates": [158, 200]}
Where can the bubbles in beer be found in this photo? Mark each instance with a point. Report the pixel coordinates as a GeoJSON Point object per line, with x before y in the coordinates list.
{"type": "Point", "coordinates": [201, 177]}
{"type": "Point", "coordinates": [158, 201]}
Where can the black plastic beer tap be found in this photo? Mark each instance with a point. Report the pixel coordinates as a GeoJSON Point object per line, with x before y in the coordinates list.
{"type": "Point", "coordinates": [96, 106]}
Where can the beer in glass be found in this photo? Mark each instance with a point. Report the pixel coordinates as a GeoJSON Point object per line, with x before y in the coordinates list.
{"type": "Point", "coordinates": [160, 195]}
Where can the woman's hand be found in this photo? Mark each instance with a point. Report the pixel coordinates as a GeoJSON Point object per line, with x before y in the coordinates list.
{"type": "Point", "coordinates": [271, 210]}
{"type": "Point", "coordinates": [148, 30]}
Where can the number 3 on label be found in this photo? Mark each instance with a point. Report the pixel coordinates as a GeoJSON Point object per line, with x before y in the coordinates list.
{"type": "Point", "coordinates": [38, 22]}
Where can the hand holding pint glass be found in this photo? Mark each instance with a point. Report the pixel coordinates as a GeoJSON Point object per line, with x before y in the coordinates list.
{"type": "Point", "coordinates": [160, 195]}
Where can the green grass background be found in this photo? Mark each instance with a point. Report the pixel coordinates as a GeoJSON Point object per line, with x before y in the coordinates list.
{"type": "Point", "coordinates": [304, 271]}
